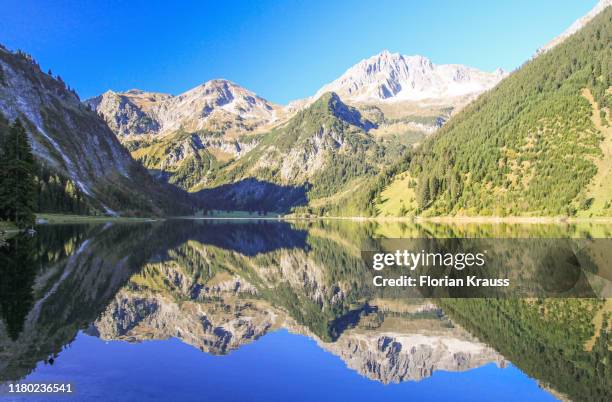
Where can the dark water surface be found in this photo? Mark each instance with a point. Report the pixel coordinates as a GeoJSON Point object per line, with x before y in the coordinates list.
{"type": "Point", "coordinates": [273, 311]}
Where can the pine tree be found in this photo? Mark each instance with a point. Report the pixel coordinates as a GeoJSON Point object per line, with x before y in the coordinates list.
{"type": "Point", "coordinates": [17, 185]}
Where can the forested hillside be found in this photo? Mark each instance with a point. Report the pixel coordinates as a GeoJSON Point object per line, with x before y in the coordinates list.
{"type": "Point", "coordinates": [537, 144]}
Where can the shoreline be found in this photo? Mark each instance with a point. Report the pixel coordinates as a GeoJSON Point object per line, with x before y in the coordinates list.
{"type": "Point", "coordinates": [51, 219]}
{"type": "Point", "coordinates": [470, 219]}
{"type": "Point", "coordinates": [532, 220]}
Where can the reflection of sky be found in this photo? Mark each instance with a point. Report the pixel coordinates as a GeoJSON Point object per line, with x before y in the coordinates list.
{"type": "Point", "coordinates": [278, 367]}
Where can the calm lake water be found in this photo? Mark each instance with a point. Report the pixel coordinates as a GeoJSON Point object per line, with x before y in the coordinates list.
{"type": "Point", "coordinates": [188, 310]}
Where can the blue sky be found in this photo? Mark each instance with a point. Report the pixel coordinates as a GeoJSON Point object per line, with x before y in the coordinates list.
{"type": "Point", "coordinates": [283, 50]}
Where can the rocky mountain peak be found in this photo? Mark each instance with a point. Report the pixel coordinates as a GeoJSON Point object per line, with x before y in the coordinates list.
{"type": "Point", "coordinates": [135, 91]}
{"type": "Point", "coordinates": [395, 77]}
{"type": "Point", "coordinates": [331, 103]}
{"type": "Point", "coordinates": [214, 105]}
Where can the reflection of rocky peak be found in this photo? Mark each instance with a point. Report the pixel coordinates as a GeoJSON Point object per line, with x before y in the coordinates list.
{"type": "Point", "coordinates": [396, 357]}
{"type": "Point", "coordinates": [211, 317]}
{"type": "Point", "coordinates": [217, 314]}
{"type": "Point", "coordinates": [226, 311]}
{"type": "Point", "coordinates": [213, 327]}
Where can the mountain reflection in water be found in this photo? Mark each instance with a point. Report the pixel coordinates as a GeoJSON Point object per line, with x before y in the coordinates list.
{"type": "Point", "coordinates": [221, 285]}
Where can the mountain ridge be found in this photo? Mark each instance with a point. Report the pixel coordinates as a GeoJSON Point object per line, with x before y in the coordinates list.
{"type": "Point", "coordinates": [395, 77]}
{"type": "Point", "coordinates": [217, 129]}
{"type": "Point", "coordinates": [215, 105]}
{"type": "Point", "coordinates": [71, 141]}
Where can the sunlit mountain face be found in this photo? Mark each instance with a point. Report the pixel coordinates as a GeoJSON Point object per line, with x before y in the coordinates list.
{"type": "Point", "coordinates": [215, 302]}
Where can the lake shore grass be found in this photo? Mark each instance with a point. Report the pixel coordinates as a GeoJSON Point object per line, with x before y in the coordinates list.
{"type": "Point", "coordinates": [236, 214]}
{"type": "Point", "coordinates": [66, 218]}
{"type": "Point", "coordinates": [468, 219]}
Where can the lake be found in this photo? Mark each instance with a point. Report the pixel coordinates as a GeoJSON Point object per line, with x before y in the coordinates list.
{"type": "Point", "coordinates": [245, 310]}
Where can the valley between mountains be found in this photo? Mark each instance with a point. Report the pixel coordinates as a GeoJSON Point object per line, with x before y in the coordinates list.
{"type": "Point", "coordinates": [394, 136]}
{"type": "Point", "coordinates": [235, 150]}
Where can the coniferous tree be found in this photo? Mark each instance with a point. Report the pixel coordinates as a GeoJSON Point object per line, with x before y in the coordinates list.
{"type": "Point", "coordinates": [17, 185]}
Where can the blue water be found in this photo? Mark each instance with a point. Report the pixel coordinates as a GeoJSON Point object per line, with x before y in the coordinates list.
{"type": "Point", "coordinates": [278, 367]}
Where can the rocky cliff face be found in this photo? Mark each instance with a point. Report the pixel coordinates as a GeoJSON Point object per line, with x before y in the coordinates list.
{"type": "Point", "coordinates": [303, 147]}
{"type": "Point", "coordinates": [319, 151]}
{"type": "Point", "coordinates": [392, 77]}
{"type": "Point", "coordinates": [71, 139]}
{"type": "Point", "coordinates": [128, 113]}
{"type": "Point", "coordinates": [217, 105]}
{"type": "Point", "coordinates": [184, 137]}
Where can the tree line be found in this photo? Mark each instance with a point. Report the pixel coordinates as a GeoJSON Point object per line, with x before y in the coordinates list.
{"type": "Point", "coordinates": [17, 180]}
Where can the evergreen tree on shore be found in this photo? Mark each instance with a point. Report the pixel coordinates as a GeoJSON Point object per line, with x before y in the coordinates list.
{"type": "Point", "coordinates": [17, 185]}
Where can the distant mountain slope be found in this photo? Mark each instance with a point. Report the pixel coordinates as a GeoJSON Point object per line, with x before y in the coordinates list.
{"type": "Point", "coordinates": [409, 97]}
{"type": "Point", "coordinates": [72, 141]}
{"type": "Point", "coordinates": [319, 152]}
{"type": "Point", "coordinates": [537, 144]}
{"type": "Point", "coordinates": [392, 77]}
{"type": "Point", "coordinates": [183, 138]}
{"type": "Point", "coordinates": [216, 105]}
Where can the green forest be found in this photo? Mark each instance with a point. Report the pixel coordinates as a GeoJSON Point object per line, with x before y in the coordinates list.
{"type": "Point", "coordinates": [17, 168]}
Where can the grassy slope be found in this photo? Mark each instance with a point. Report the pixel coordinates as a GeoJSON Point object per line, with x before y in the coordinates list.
{"type": "Point", "coordinates": [398, 198]}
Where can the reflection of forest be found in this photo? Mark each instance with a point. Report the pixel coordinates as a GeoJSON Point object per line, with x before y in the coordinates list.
{"type": "Point", "coordinates": [227, 284]}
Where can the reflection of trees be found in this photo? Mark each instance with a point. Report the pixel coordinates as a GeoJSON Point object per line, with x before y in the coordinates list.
{"type": "Point", "coordinates": [545, 338]}
{"type": "Point", "coordinates": [21, 259]}
{"type": "Point", "coordinates": [77, 269]}
{"type": "Point", "coordinates": [17, 270]}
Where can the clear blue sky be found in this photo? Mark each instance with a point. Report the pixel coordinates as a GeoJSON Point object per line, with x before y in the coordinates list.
{"type": "Point", "coordinates": [283, 50]}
